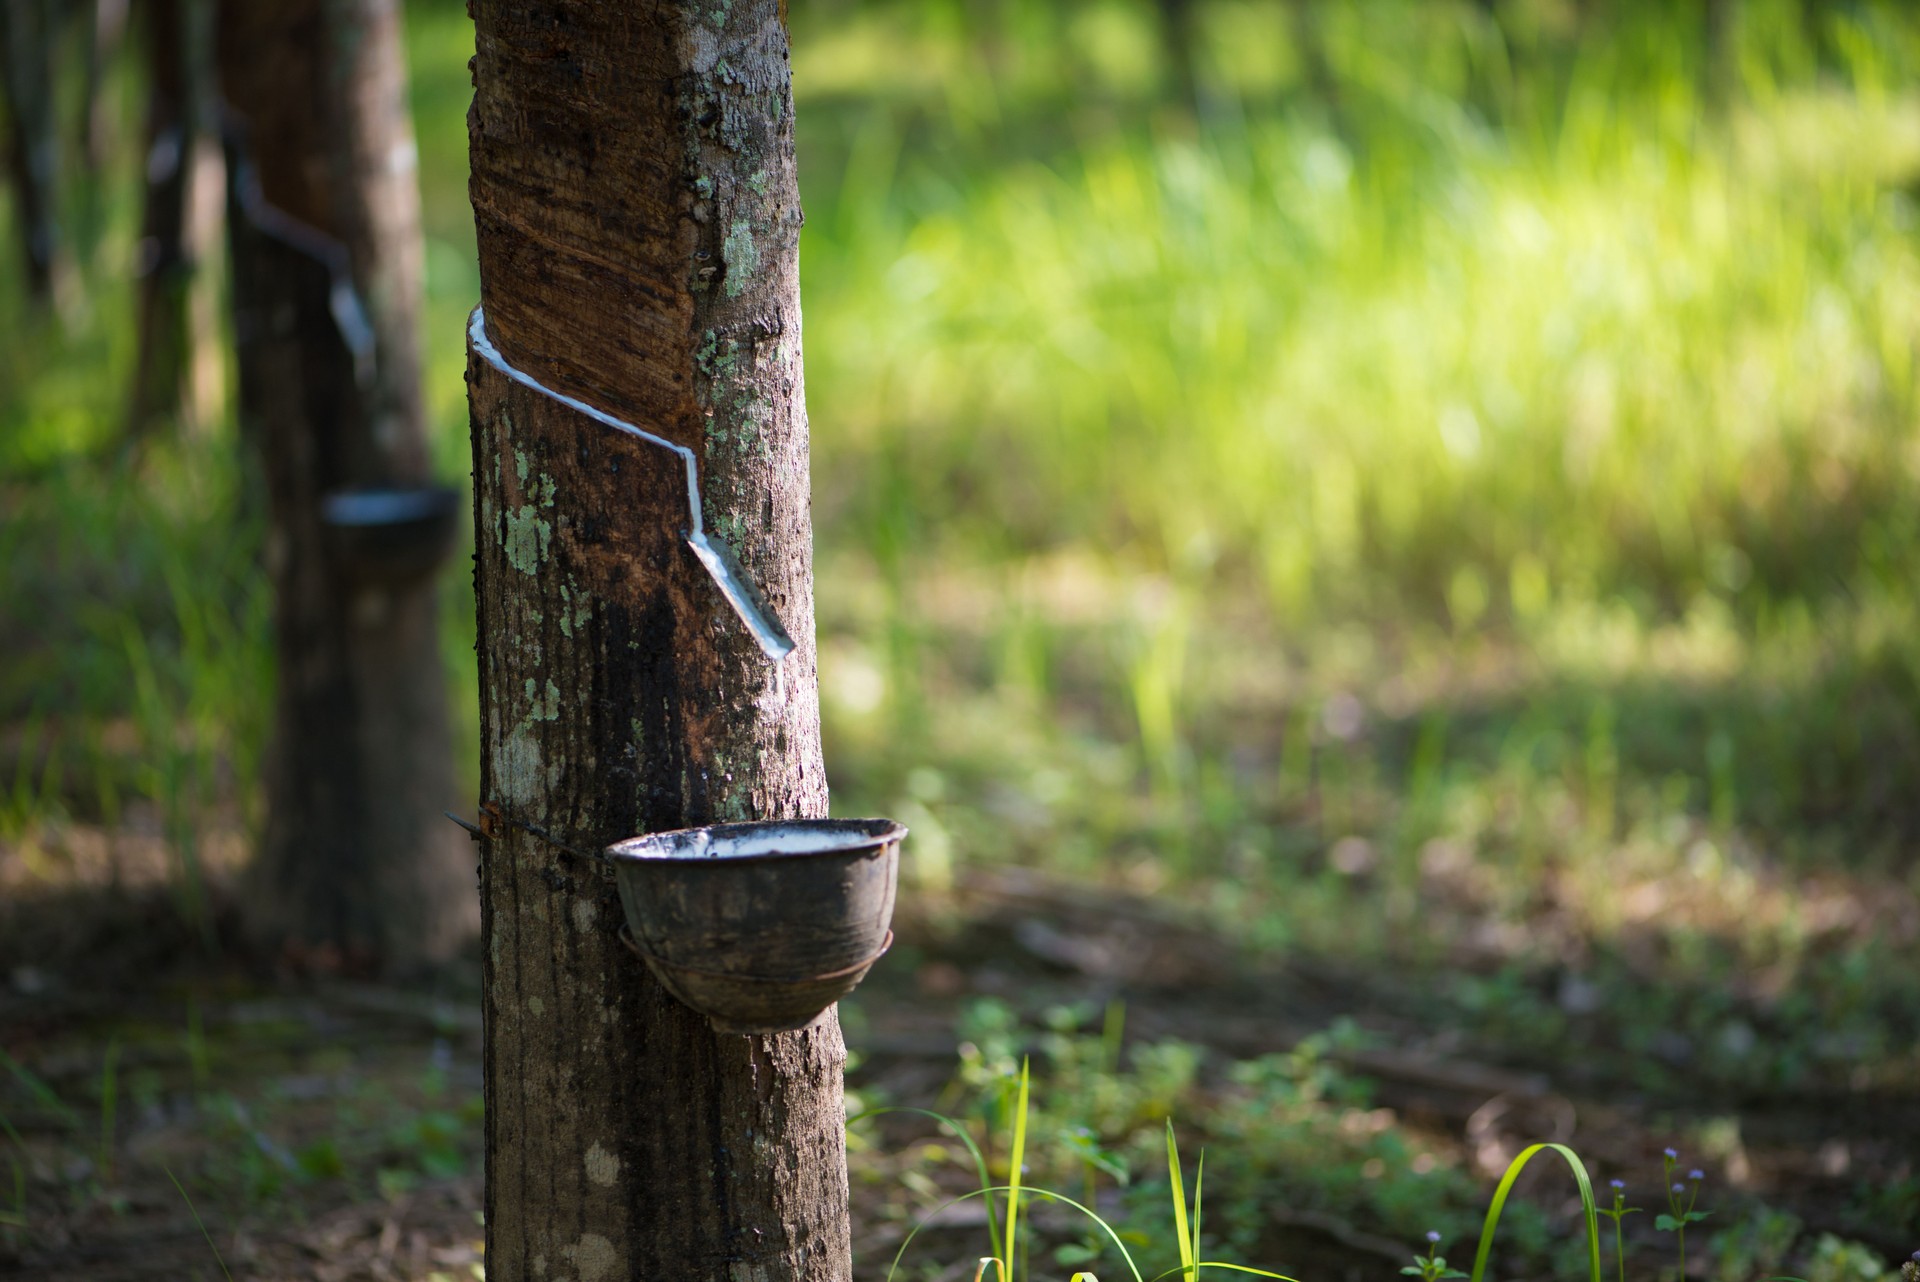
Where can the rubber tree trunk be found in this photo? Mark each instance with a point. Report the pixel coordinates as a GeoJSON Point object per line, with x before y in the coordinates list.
{"type": "Point", "coordinates": [163, 264]}
{"type": "Point", "coordinates": [1723, 52]}
{"type": "Point", "coordinates": [633, 186]}
{"type": "Point", "coordinates": [357, 870]}
{"type": "Point", "coordinates": [1179, 37]}
{"type": "Point", "coordinates": [1317, 73]}
{"type": "Point", "coordinates": [106, 22]}
{"type": "Point", "coordinates": [27, 47]}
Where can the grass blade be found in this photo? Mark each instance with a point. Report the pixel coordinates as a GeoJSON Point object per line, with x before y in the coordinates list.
{"type": "Point", "coordinates": [199, 1223]}
{"type": "Point", "coordinates": [40, 1091]}
{"type": "Point", "coordinates": [1017, 1160]}
{"type": "Point", "coordinates": [1180, 1204]}
{"type": "Point", "coordinates": [17, 1217]}
{"type": "Point", "coordinates": [109, 1099]}
{"type": "Point", "coordinates": [1199, 1178]}
{"type": "Point", "coordinates": [1506, 1186]}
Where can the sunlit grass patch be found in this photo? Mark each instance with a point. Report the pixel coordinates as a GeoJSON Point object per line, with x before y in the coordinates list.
{"type": "Point", "coordinates": [1251, 361]}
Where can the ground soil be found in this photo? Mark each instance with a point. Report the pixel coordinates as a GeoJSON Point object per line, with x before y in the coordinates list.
{"type": "Point", "coordinates": [325, 1128]}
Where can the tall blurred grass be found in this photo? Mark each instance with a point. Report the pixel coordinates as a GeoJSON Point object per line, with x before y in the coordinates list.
{"type": "Point", "coordinates": [1410, 360]}
{"type": "Point", "coordinates": [1449, 479]}
{"type": "Point", "coordinates": [1497, 340]}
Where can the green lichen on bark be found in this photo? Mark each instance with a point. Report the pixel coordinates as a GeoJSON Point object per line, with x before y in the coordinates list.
{"type": "Point", "coordinates": [543, 709]}
{"type": "Point", "coordinates": [527, 539]}
{"type": "Point", "coordinates": [741, 255]}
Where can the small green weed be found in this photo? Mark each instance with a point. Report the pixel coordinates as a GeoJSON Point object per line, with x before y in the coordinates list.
{"type": "Point", "coordinates": [1431, 1267]}
{"type": "Point", "coordinates": [1618, 1213]}
{"type": "Point", "coordinates": [1681, 1201]}
{"type": "Point", "coordinates": [1837, 1260]}
{"type": "Point", "coordinates": [1010, 1249]}
{"type": "Point", "coordinates": [1756, 1248]}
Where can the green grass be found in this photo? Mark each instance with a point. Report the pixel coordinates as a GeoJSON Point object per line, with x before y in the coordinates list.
{"type": "Point", "coordinates": [1509, 470]}
{"type": "Point", "coordinates": [1135, 1218]}
{"type": "Point", "coordinates": [1010, 1252]}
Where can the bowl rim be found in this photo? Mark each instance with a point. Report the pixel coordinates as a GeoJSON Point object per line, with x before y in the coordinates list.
{"type": "Point", "coordinates": [375, 507]}
{"type": "Point", "coordinates": [656, 848]}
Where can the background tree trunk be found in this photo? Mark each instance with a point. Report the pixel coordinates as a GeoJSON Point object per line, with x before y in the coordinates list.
{"type": "Point", "coordinates": [357, 869]}
{"type": "Point", "coordinates": [1723, 52]}
{"type": "Point", "coordinates": [638, 216]}
{"type": "Point", "coordinates": [27, 53]}
{"type": "Point", "coordinates": [1179, 23]}
{"type": "Point", "coordinates": [165, 268]}
{"type": "Point", "coordinates": [106, 22]}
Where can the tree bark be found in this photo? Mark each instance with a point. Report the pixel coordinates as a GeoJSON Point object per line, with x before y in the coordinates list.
{"type": "Point", "coordinates": [1723, 52]}
{"type": "Point", "coordinates": [1178, 34]}
{"type": "Point", "coordinates": [27, 30]}
{"type": "Point", "coordinates": [106, 26]}
{"type": "Point", "coordinates": [357, 870]}
{"type": "Point", "coordinates": [638, 217]}
{"type": "Point", "coordinates": [164, 266]}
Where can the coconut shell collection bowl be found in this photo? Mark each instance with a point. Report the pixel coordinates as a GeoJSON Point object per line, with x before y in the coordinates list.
{"type": "Point", "coordinates": [760, 926]}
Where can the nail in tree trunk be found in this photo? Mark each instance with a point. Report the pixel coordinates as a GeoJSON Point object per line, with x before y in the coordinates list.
{"type": "Point", "coordinates": [357, 869]}
{"type": "Point", "coordinates": [633, 186]}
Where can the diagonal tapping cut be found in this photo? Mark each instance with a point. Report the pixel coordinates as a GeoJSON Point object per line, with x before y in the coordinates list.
{"type": "Point", "coordinates": [343, 297]}
{"type": "Point", "coordinates": [719, 561]}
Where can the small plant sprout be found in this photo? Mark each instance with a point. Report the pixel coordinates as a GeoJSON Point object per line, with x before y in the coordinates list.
{"type": "Point", "coordinates": [1617, 1212]}
{"type": "Point", "coordinates": [1007, 1246]}
{"type": "Point", "coordinates": [1186, 1230]}
{"type": "Point", "coordinates": [1681, 1198]}
{"type": "Point", "coordinates": [1432, 1266]}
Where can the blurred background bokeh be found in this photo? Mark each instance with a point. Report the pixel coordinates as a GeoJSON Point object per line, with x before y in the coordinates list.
{"type": "Point", "coordinates": [1428, 491]}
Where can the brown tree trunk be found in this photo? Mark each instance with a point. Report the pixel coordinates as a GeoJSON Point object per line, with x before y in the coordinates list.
{"type": "Point", "coordinates": [1178, 34]}
{"type": "Point", "coordinates": [106, 26]}
{"type": "Point", "coordinates": [1723, 52]}
{"type": "Point", "coordinates": [357, 870]}
{"type": "Point", "coordinates": [1317, 74]}
{"type": "Point", "coordinates": [27, 31]}
{"type": "Point", "coordinates": [165, 269]}
{"type": "Point", "coordinates": [638, 217]}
